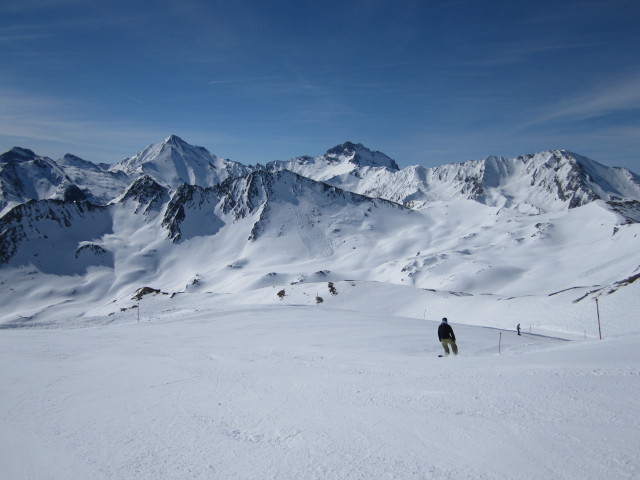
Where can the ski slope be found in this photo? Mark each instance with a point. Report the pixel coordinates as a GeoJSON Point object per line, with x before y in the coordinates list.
{"type": "Point", "coordinates": [249, 386]}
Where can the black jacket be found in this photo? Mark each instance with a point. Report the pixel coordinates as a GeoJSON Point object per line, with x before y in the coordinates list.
{"type": "Point", "coordinates": [445, 331]}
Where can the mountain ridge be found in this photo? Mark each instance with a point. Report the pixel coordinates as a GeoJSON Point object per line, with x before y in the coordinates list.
{"type": "Point", "coordinates": [554, 179]}
{"type": "Point", "coordinates": [534, 183]}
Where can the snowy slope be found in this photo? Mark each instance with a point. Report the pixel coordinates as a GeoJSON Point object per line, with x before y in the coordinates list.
{"type": "Point", "coordinates": [211, 387]}
{"type": "Point", "coordinates": [100, 184]}
{"type": "Point", "coordinates": [280, 229]}
{"type": "Point", "coordinates": [214, 321]}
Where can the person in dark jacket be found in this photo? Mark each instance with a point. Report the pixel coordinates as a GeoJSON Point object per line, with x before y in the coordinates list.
{"type": "Point", "coordinates": [447, 337]}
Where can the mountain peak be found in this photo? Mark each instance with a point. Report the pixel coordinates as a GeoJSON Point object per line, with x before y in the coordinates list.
{"type": "Point", "coordinates": [70, 160]}
{"type": "Point", "coordinates": [174, 140]}
{"type": "Point", "coordinates": [346, 148]}
{"type": "Point", "coordinates": [174, 161]}
{"type": "Point", "coordinates": [360, 155]}
{"type": "Point", "coordinates": [18, 154]}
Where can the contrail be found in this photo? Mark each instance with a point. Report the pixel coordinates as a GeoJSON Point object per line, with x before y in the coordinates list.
{"type": "Point", "coordinates": [125, 95]}
{"type": "Point", "coordinates": [242, 80]}
{"type": "Point", "coordinates": [114, 90]}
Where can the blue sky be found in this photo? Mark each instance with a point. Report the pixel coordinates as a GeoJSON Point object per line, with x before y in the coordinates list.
{"type": "Point", "coordinates": [426, 82]}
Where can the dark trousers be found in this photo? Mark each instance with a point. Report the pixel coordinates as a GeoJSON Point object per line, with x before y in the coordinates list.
{"type": "Point", "coordinates": [449, 342]}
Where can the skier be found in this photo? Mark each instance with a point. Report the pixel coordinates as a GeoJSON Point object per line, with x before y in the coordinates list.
{"type": "Point", "coordinates": [518, 329]}
{"type": "Point", "coordinates": [447, 337]}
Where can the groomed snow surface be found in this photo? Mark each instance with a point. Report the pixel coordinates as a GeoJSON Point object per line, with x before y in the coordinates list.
{"type": "Point", "coordinates": [251, 386]}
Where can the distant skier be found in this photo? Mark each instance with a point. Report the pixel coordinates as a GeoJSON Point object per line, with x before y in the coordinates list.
{"type": "Point", "coordinates": [447, 337]}
{"type": "Point", "coordinates": [518, 329]}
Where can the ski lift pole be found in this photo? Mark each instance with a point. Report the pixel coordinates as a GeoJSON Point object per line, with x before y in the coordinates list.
{"type": "Point", "coordinates": [500, 343]}
{"type": "Point", "coordinates": [598, 312]}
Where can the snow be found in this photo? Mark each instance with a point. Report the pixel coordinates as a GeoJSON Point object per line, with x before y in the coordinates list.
{"type": "Point", "coordinates": [340, 165]}
{"type": "Point", "coordinates": [211, 386]}
{"type": "Point", "coordinates": [24, 175]}
{"type": "Point", "coordinates": [234, 368]}
{"type": "Point", "coordinates": [544, 182]}
{"type": "Point", "coordinates": [104, 185]}
{"type": "Point", "coordinates": [173, 162]}
{"type": "Point", "coordinates": [461, 246]}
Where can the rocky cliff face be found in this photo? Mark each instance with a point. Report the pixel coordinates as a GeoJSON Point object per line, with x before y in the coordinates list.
{"type": "Point", "coordinates": [49, 234]}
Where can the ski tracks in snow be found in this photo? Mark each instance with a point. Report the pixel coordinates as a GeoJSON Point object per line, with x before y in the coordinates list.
{"type": "Point", "coordinates": [308, 393]}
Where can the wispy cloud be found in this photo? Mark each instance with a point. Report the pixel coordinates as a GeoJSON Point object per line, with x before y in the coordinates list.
{"type": "Point", "coordinates": [20, 6]}
{"type": "Point", "coordinates": [604, 100]}
{"type": "Point", "coordinates": [57, 124]}
{"type": "Point", "coordinates": [311, 73]}
{"type": "Point", "coordinates": [495, 55]}
{"type": "Point", "coordinates": [17, 37]}
{"type": "Point", "coordinates": [53, 126]}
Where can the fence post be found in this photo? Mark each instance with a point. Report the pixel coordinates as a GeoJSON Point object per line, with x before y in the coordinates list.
{"type": "Point", "coordinates": [598, 311]}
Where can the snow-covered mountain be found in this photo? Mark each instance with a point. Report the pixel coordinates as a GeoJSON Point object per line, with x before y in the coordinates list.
{"type": "Point", "coordinates": [338, 162]}
{"type": "Point", "coordinates": [174, 162]}
{"type": "Point", "coordinates": [279, 229]}
{"type": "Point", "coordinates": [543, 182]}
{"type": "Point", "coordinates": [535, 224]}
{"type": "Point", "coordinates": [100, 184]}
{"type": "Point", "coordinates": [26, 176]}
